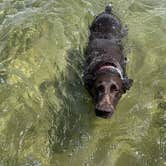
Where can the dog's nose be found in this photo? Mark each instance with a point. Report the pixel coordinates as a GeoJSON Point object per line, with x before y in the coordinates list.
{"type": "Point", "coordinates": [104, 111]}
{"type": "Point", "coordinates": [108, 108]}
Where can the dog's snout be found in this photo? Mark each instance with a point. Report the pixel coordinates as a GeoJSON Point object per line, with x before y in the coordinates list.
{"type": "Point", "coordinates": [104, 108]}
{"type": "Point", "coordinates": [104, 113]}
{"type": "Point", "coordinates": [105, 101]}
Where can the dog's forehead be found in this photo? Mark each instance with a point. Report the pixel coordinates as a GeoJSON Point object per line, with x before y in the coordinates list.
{"type": "Point", "coordinates": [108, 78]}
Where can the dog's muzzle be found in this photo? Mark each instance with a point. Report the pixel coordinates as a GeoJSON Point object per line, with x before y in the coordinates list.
{"type": "Point", "coordinates": [104, 113]}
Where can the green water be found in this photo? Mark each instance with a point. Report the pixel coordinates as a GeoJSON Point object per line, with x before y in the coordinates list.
{"type": "Point", "coordinates": [47, 117]}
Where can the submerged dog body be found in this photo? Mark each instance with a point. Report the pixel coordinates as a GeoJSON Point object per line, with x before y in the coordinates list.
{"type": "Point", "coordinates": [105, 69]}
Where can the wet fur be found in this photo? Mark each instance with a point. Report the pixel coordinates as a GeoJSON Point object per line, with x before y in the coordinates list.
{"type": "Point", "coordinates": [105, 46]}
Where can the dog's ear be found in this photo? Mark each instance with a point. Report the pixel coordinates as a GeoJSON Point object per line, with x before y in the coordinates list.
{"type": "Point", "coordinates": [127, 83]}
{"type": "Point", "coordinates": [88, 81]}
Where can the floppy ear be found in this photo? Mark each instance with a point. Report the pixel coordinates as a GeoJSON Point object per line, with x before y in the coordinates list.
{"type": "Point", "coordinates": [88, 81]}
{"type": "Point", "coordinates": [127, 83]}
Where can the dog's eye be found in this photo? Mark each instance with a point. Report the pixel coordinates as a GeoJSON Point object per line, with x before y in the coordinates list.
{"type": "Point", "coordinates": [101, 88]}
{"type": "Point", "coordinates": [113, 88]}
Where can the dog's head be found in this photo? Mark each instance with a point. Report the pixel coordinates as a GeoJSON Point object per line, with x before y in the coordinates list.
{"type": "Point", "coordinates": [107, 88]}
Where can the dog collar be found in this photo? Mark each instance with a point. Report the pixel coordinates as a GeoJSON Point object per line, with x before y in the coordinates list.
{"type": "Point", "coordinates": [112, 68]}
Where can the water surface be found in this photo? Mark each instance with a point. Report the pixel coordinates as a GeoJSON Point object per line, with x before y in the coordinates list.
{"type": "Point", "coordinates": [46, 115]}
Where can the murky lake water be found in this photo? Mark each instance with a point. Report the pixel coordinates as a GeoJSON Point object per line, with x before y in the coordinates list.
{"type": "Point", "coordinates": [46, 115]}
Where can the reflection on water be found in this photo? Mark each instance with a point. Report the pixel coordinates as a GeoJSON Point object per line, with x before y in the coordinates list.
{"type": "Point", "coordinates": [46, 115]}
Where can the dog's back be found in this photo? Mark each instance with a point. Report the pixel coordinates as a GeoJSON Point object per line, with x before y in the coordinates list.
{"type": "Point", "coordinates": [105, 42]}
{"type": "Point", "coordinates": [107, 26]}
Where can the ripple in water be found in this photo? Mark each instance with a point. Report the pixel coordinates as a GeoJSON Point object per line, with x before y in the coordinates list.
{"type": "Point", "coordinates": [46, 115]}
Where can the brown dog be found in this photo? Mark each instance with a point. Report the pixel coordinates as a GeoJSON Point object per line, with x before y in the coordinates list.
{"type": "Point", "coordinates": [105, 69]}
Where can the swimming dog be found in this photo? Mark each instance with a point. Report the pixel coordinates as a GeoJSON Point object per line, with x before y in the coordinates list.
{"type": "Point", "coordinates": [105, 68]}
